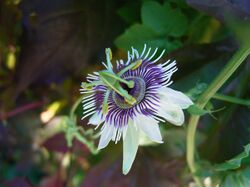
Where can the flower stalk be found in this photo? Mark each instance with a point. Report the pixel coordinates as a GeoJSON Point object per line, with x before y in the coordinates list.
{"type": "Point", "coordinates": [231, 99]}
{"type": "Point", "coordinates": [224, 75]}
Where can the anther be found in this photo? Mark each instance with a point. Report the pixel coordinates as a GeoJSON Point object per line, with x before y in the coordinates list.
{"type": "Point", "coordinates": [132, 66]}
{"type": "Point", "coordinates": [87, 86]}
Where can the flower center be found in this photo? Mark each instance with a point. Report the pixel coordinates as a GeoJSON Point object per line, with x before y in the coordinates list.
{"type": "Point", "coordinates": [138, 92]}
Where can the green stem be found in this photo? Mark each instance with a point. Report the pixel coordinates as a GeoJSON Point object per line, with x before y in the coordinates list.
{"type": "Point", "coordinates": [74, 107]}
{"type": "Point", "coordinates": [229, 69]}
{"type": "Point", "coordinates": [232, 99]}
{"type": "Point", "coordinates": [89, 144]}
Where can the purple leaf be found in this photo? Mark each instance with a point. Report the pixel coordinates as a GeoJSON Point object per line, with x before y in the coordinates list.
{"type": "Point", "coordinates": [221, 8]}
{"type": "Point", "coordinates": [17, 182]}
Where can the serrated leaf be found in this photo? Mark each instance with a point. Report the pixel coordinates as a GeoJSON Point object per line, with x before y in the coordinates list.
{"type": "Point", "coordinates": [163, 19]}
{"type": "Point", "coordinates": [235, 162]}
{"type": "Point", "coordinates": [195, 110]}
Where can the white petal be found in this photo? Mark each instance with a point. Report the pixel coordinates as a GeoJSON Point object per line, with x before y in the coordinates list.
{"type": "Point", "coordinates": [130, 147]}
{"type": "Point", "coordinates": [144, 140]}
{"type": "Point", "coordinates": [171, 112]}
{"type": "Point", "coordinates": [106, 135]}
{"type": "Point", "coordinates": [150, 127]}
{"type": "Point", "coordinates": [96, 119]}
{"type": "Point", "coordinates": [176, 97]}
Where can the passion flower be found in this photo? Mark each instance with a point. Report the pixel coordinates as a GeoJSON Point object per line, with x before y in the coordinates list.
{"type": "Point", "coordinates": [130, 100]}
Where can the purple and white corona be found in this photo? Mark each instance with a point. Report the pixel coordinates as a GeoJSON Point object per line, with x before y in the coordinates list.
{"type": "Point", "coordinates": [128, 101]}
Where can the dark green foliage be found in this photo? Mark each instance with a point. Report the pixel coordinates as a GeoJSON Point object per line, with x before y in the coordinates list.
{"type": "Point", "coordinates": [47, 47]}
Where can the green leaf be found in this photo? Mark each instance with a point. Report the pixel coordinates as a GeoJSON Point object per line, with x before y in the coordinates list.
{"type": "Point", "coordinates": [246, 173]}
{"type": "Point", "coordinates": [137, 35]}
{"type": "Point", "coordinates": [198, 27]}
{"type": "Point", "coordinates": [179, 3]}
{"type": "Point", "coordinates": [72, 131]}
{"type": "Point", "coordinates": [196, 91]}
{"type": "Point", "coordinates": [154, 16]}
{"type": "Point", "coordinates": [129, 12]}
{"type": "Point", "coordinates": [195, 110]}
{"type": "Point", "coordinates": [163, 19]}
{"type": "Point", "coordinates": [235, 162]}
{"type": "Point", "coordinates": [241, 29]}
{"type": "Point", "coordinates": [235, 179]}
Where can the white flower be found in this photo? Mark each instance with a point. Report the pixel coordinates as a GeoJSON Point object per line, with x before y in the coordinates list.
{"type": "Point", "coordinates": [131, 102]}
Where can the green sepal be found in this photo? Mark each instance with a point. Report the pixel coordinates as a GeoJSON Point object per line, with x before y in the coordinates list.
{"type": "Point", "coordinates": [195, 110]}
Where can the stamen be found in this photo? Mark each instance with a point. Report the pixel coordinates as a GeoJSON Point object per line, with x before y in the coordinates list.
{"type": "Point", "coordinates": [137, 64]}
{"type": "Point", "coordinates": [132, 66]}
{"type": "Point", "coordinates": [135, 95]}
{"type": "Point", "coordinates": [87, 86]}
{"type": "Point", "coordinates": [109, 58]}
{"type": "Point", "coordinates": [128, 98]}
{"type": "Point", "coordinates": [105, 106]}
{"type": "Point", "coordinates": [111, 79]}
{"type": "Point", "coordinates": [90, 85]}
{"type": "Point", "coordinates": [130, 84]}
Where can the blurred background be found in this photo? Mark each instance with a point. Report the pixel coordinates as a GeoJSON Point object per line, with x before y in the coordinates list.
{"type": "Point", "coordinates": [47, 48]}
